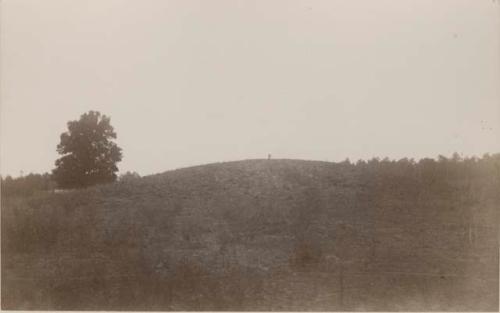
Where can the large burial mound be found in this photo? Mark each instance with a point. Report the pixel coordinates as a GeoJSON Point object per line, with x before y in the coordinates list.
{"type": "Point", "coordinates": [261, 235]}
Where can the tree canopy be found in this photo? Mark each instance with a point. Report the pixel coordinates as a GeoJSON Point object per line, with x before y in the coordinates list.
{"type": "Point", "coordinates": [89, 154]}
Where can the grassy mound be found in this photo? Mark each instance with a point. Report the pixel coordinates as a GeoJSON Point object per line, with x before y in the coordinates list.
{"type": "Point", "coordinates": [261, 235]}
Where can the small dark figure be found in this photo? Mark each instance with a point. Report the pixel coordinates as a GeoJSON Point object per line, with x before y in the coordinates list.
{"type": "Point", "coordinates": [269, 156]}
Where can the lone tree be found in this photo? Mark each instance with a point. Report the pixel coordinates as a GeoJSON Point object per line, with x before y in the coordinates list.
{"type": "Point", "coordinates": [89, 155]}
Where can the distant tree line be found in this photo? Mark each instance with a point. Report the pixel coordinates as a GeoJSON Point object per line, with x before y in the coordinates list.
{"type": "Point", "coordinates": [28, 185]}
{"type": "Point", "coordinates": [31, 184]}
{"type": "Point", "coordinates": [429, 170]}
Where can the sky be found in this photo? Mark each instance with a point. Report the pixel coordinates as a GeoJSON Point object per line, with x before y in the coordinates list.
{"type": "Point", "coordinates": [193, 82]}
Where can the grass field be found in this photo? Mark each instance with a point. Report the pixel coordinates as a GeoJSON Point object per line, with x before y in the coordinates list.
{"type": "Point", "coordinates": [261, 235]}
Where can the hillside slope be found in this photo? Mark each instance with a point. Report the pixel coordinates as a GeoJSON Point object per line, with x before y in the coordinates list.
{"type": "Point", "coordinates": [260, 235]}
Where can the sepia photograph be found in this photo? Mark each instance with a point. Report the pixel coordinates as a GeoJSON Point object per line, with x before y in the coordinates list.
{"type": "Point", "coordinates": [250, 155]}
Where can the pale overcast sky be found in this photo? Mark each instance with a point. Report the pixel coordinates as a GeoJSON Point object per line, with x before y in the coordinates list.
{"type": "Point", "coordinates": [191, 82]}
